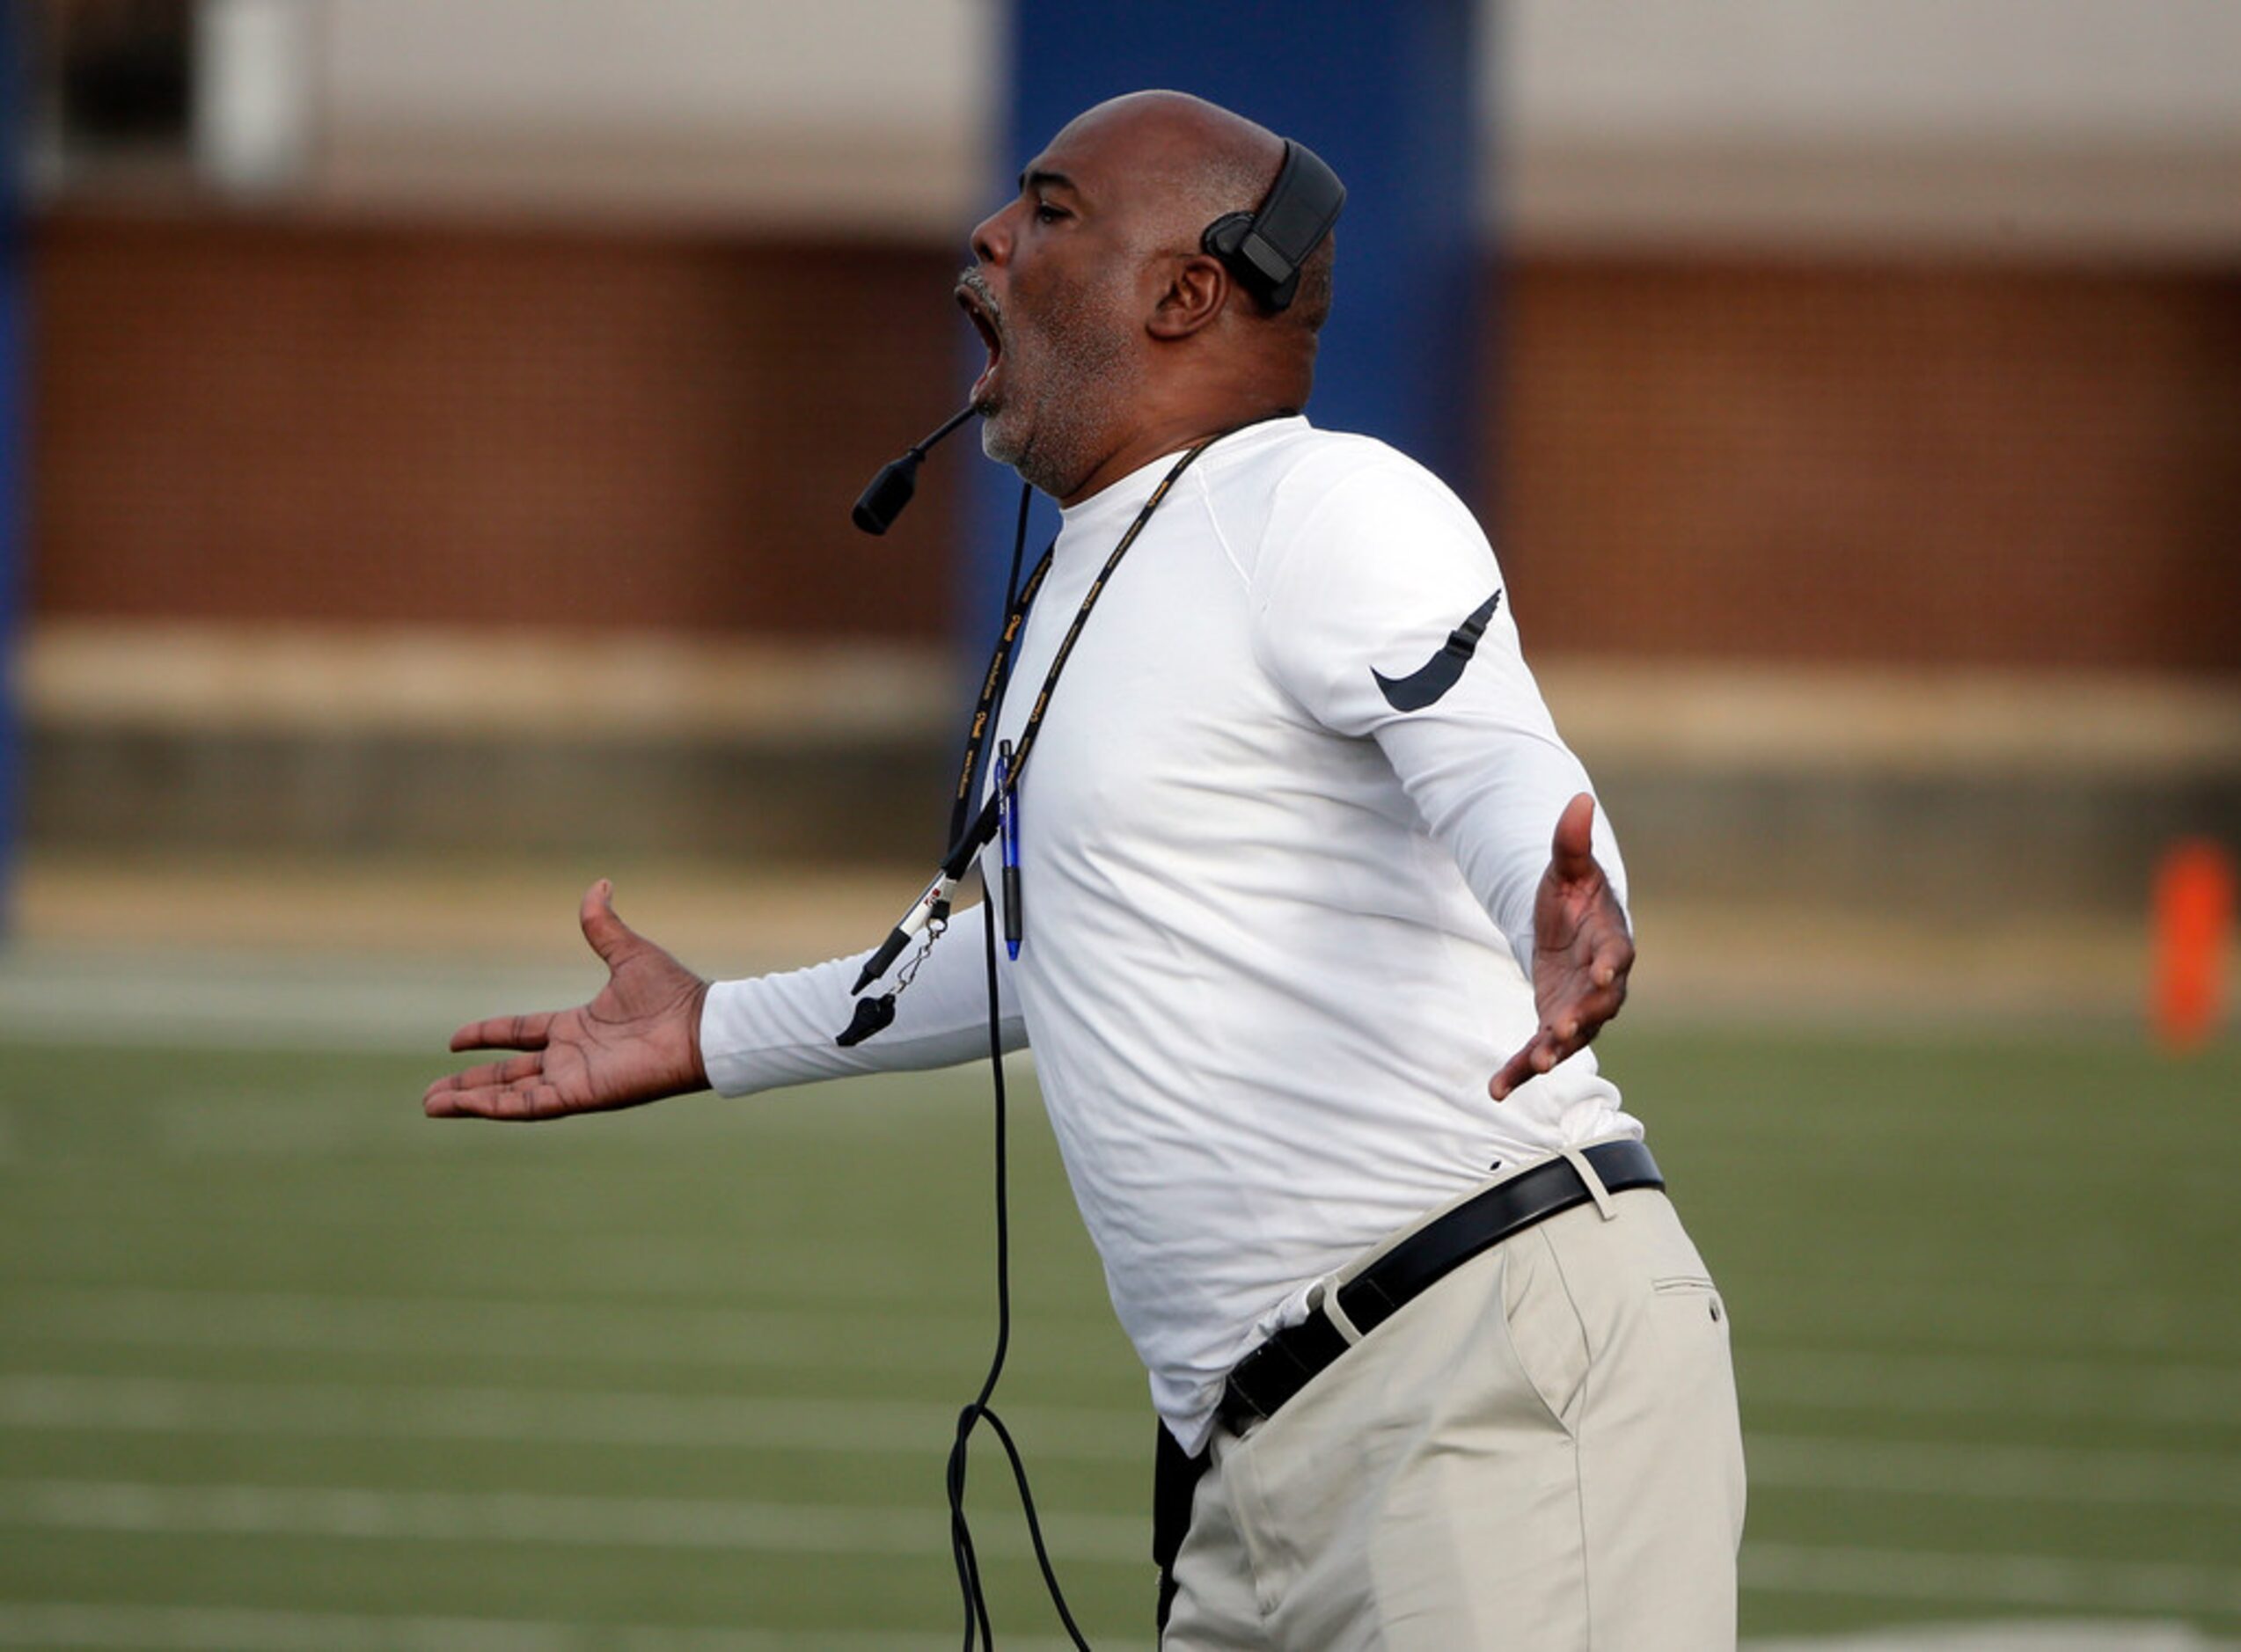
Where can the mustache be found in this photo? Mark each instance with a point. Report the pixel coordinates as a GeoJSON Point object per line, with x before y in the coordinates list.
{"type": "Point", "coordinates": [973, 281]}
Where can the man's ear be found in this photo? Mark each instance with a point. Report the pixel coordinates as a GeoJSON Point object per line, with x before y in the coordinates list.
{"type": "Point", "coordinates": [1193, 296]}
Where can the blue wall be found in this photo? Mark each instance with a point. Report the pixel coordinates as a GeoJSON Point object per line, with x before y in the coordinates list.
{"type": "Point", "coordinates": [14, 394]}
{"type": "Point", "coordinates": [1384, 93]}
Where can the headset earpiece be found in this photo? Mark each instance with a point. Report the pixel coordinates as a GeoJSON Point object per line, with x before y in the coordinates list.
{"type": "Point", "coordinates": [1264, 248]}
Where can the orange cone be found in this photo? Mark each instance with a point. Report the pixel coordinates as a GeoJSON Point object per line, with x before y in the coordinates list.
{"type": "Point", "coordinates": [2194, 919]}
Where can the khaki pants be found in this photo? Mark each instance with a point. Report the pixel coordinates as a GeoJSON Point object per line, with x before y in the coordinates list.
{"type": "Point", "coordinates": [1539, 1453]}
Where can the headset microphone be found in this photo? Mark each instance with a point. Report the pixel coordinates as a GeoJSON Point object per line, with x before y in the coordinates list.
{"type": "Point", "coordinates": [892, 489]}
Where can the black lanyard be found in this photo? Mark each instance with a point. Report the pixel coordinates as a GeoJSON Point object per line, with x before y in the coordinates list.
{"type": "Point", "coordinates": [931, 911]}
{"type": "Point", "coordinates": [992, 685]}
{"type": "Point", "coordinates": [965, 842]}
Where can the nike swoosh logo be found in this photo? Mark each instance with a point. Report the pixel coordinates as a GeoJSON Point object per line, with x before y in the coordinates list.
{"type": "Point", "coordinates": [1436, 675]}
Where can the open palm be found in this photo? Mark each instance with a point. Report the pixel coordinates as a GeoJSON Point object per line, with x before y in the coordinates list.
{"type": "Point", "coordinates": [637, 1041]}
{"type": "Point", "coordinates": [1581, 952]}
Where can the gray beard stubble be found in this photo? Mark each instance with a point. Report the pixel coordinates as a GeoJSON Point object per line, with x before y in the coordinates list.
{"type": "Point", "coordinates": [1075, 371]}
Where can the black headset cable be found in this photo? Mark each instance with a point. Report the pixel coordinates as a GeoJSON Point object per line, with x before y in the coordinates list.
{"type": "Point", "coordinates": [968, 1584]}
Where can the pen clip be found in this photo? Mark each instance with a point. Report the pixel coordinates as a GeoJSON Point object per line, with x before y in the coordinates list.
{"type": "Point", "coordinates": [1007, 833]}
{"type": "Point", "coordinates": [1007, 826]}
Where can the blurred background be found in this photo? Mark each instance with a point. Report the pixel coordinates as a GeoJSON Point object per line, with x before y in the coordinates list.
{"type": "Point", "coordinates": [427, 431]}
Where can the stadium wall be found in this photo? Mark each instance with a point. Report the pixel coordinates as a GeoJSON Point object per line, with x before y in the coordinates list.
{"type": "Point", "coordinates": [1914, 577]}
{"type": "Point", "coordinates": [1867, 461]}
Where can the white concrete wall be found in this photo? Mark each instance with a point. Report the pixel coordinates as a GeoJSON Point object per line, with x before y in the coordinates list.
{"type": "Point", "coordinates": [2114, 124]}
{"type": "Point", "coordinates": [2006, 126]}
{"type": "Point", "coordinates": [846, 114]}
{"type": "Point", "coordinates": [681, 66]}
{"type": "Point", "coordinates": [2007, 72]}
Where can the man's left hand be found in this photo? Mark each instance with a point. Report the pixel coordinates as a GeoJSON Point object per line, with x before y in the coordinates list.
{"type": "Point", "coordinates": [1581, 952]}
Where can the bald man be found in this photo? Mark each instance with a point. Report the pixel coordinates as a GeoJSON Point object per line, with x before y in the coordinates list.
{"type": "Point", "coordinates": [1320, 920]}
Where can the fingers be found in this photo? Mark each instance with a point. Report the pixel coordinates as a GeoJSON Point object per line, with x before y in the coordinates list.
{"type": "Point", "coordinates": [1572, 850]}
{"type": "Point", "coordinates": [1573, 1021]}
{"type": "Point", "coordinates": [1593, 993]}
{"type": "Point", "coordinates": [1528, 1064]}
{"type": "Point", "coordinates": [513, 1070]}
{"type": "Point", "coordinates": [1596, 998]}
{"type": "Point", "coordinates": [1613, 962]}
{"type": "Point", "coordinates": [610, 937]}
{"type": "Point", "coordinates": [514, 1089]}
{"type": "Point", "coordinates": [1513, 1072]}
{"type": "Point", "coordinates": [505, 1032]}
{"type": "Point", "coordinates": [1548, 1047]}
{"type": "Point", "coordinates": [520, 1104]}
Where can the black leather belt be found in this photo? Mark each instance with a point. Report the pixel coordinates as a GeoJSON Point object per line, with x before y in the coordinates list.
{"type": "Point", "coordinates": [1269, 1375]}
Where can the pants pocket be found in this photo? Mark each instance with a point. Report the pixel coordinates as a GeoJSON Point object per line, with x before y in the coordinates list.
{"type": "Point", "coordinates": [1698, 1285]}
{"type": "Point", "coordinates": [1547, 1336]}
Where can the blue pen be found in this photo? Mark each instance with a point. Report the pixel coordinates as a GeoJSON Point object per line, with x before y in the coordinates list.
{"type": "Point", "coordinates": [1007, 828]}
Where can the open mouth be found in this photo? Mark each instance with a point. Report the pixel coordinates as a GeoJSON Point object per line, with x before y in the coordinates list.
{"type": "Point", "coordinates": [980, 308]}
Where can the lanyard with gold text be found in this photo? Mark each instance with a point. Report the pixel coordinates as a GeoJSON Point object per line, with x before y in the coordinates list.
{"type": "Point", "coordinates": [992, 688]}
{"type": "Point", "coordinates": [931, 911]}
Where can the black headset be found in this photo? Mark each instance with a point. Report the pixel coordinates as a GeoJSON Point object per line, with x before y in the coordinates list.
{"type": "Point", "coordinates": [1264, 248]}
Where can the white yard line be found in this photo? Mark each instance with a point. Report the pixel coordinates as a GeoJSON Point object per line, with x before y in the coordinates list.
{"type": "Point", "coordinates": [543, 1517]}
{"type": "Point", "coordinates": [763, 1338]}
{"type": "Point", "coordinates": [57, 1401]}
{"type": "Point", "coordinates": [79, 1625]}
{"type": "Point", "coordinates": [1948, 1468]}
{"type": "Point", "coordinates": [252, 1003]}
{"type": "Point", "coordinates": [50, 1403]}
{"type": "Point", "coordinates": [589, 1330]}
{"type": "Point", "coordinates": [2043, 1581]}
{"type": "Point", "coordinates": [70, 1623]}
{"type": "Point", "coordinates": [2048, 1582]}
{"type": "Point", "coordinates": [1990, 1384]}
{"type": "Point", "coordinates": [2101, 1634]}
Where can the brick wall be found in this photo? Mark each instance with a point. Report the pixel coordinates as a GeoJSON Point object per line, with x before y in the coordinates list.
{"type": "Point", "coordinates": [260, 421]}
{"type": "Point", "coordinates": [1985, 464]}
{"type": "Point", "coordinates": [1952, 464]}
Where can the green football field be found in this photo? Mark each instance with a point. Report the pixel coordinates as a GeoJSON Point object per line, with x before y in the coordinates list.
{"type": "Point", "coordinates": [284, 1365]}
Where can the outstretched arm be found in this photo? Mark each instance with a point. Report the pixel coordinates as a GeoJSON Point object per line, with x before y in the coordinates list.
{"type": "Point", "coordinates": [1386, 617]}
{"type": "Point", "coordinates": [1582, 952]}
{"type": "Point", "coordinates": [641, 1038]}
{"type": "Point", "coordinates": [637, 1042]}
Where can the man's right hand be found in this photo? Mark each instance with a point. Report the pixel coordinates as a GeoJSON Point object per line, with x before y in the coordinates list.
{"type": "Point", "coordinates": [637, 1042]}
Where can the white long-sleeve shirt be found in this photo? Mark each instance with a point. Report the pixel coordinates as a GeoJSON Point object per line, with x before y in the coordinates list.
{"type": "Point", "coordinates": [1278, 930]}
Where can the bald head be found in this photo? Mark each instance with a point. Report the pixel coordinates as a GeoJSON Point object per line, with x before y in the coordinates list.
{"type": "Point", "coordinates": [1113, 336]}
{"type": "Point", "coordinates": [1197, 162]}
